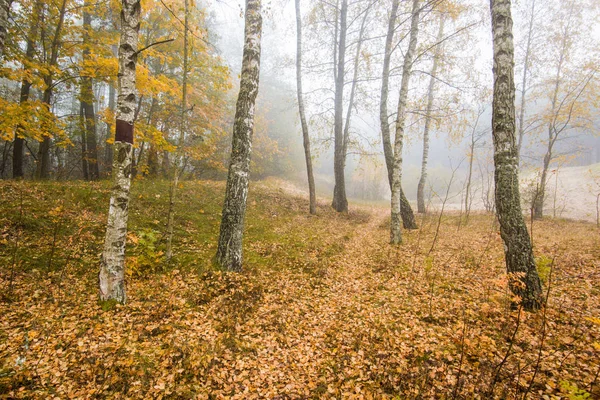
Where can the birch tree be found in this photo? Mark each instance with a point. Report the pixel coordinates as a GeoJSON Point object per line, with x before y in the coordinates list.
{"type": "Point", "coordinates": [395, 229]}
{"type": "Point", "coordinates": [523, 276]}
{"type": "Point", "coordinates": [229, 251]}
{"type": "Point", "coordinates": [408, 218]}
{"type": "Point", "coordinates": [112, 265]}
{"type": "Point", "coordinates": [305, 135]}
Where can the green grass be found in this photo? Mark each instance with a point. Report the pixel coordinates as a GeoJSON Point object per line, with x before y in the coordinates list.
{"type": "Point", "coordinates": [49, 226]}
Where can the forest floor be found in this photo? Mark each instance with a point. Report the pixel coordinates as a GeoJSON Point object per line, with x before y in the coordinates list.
{"type": "Point", "coordinates": [325, 307]}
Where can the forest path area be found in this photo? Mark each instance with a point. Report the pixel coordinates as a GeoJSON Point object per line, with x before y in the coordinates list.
{"type": "Point", "coordinates": [325, 309]}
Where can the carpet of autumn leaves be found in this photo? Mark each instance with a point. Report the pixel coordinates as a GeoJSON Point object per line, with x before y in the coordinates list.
{"type": "Point", "coordinates": [325, 308]}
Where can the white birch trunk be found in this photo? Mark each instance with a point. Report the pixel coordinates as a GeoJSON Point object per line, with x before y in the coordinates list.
{"type": "Point", "coordinates": [112, 266]}
{"type": "Point", "coordinates": [396, 218]}
{"type": "Point", "coordinates": [518, 251]}
{"type": "Point", "coordinates": [229, 251]}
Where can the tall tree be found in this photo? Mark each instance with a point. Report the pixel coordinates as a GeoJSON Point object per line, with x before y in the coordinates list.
{"type": "Point", "coordinates": [395, 229]}
{"type": "Point", "coordinates": [229, 251]}
{"type": "Point", "coordinates": [112, 265]}
{"type": "Point", "coordinates": [181, 141]}
{"type": "Point", "coordinates": [570, 81]}
{"type": "Point", "coordinates": [43, 166]}
{"type": "Point", "coordinates": [340, 201]}
{"type": "Point", "coordinates": [428, 117]}
{"type": "Point", "coordinates": [19, 141]}
{"type": "Point", "coordinates": [305, 136]}
{"type": "Point", "coordinates": [524, 280]}
{"type": "Point", "coordinates": [89, 159]}
{"type": "Point", "coordinates": [408, 217]}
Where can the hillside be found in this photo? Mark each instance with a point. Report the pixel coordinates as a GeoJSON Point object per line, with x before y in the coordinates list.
{"type": "Point", "coordinates": [324, 309]}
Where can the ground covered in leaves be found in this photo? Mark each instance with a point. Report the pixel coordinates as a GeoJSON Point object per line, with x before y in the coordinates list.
{"type": "Point", "coordinates": [325, 308]}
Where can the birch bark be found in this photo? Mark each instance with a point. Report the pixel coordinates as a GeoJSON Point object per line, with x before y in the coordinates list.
{"type": "Point", "coordinates": [408, 217]}
{"type": "Point", "coordinates": [229, 252]}
{"type": "Point", "coordinates": [395, 229]}
{"type": "Point", "coordinates": [112, 265]}
{"type": "Point", "coordinates": [523, 277]}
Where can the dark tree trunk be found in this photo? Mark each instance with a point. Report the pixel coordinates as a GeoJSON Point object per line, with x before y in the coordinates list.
{"type": "Point", "coordinates": [408, 217]}
{"type": "Point", "coordinates": [312, 203]}
{"type": "Point", "coordinates": [112, 265]}
{"type": "Point", "coordinates": [229, 251]}
{"type": "Point", "coordinates": [523, 276]}
{"type": "Point", "coordinates": [90, 156]}
{"type": "Point", "coordinates": [340, 202]}
{"type": "Point", "coordinates": [19, 142]}
{"type": "Point", "coordinates": [43, 167]}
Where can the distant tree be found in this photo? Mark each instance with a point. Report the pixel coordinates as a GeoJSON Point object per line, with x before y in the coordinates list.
{"type": "Point", "coordinates": [50, 70]}
{"type": "Point", "coordinates": [524, 280]}
{"type": "Point", "coordinates": [112, 266]}
{"type": "Point", "coordinates": [428, 117]}
{"type": "Point", "coordinates": [572, 77]}
{"type": "Point", "coordinates": [89, 140]}
{"type": "Point", "coordinates": [305, 135]}
{"type": "Point", "coordinates": [229, 251]}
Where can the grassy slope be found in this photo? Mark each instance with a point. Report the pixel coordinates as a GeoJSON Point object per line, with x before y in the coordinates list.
{"type": "Point", "coordinates": [325, 308]}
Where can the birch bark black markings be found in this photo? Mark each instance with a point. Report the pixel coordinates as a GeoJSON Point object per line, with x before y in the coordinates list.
{"type": "Point", "coordinates": [408, 217]}
{"type": "Point", "coordinates": [229, 251]}
{"type": "Point", "coordinates": [305, 136]}
{"type": "Point", "coordinates": [395, 229]}
{"type": "Point", "coordinates": [112, 266]}
{"type": "Point", "coordinates": [428, 118]}
{"type": "Point", "coordinates": [524, 280]}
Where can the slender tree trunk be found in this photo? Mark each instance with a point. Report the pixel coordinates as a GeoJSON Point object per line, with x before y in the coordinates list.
{"type": "Point", "coordinates": [4, 13]}
{"type": "Point", "coordinates": [395, 229]}
{"type": "Point", "coordinates": [181, 141]}
{"type": "Point", "coordinates": [340, 202]}
{"type": "Point", "coordinates": [524, 82]}
{"type": "Point", "coordinates": [90, 157]}
{"type": "Point", "coordinates": [428, 118]}
{"type": "Point", "coordinates": [540, 196]}
{"type": "Point", "coordinates": [312, 204]}
{"type": "Point", "coordinates": [19, 142]}
{"type": "Point", "coordinates": [108, 149]}
{"type": "Point", "coordinates": [523, 277]}
{"type": "Point", "coordinates": [112, 266]}
{"type": "Point", "coordinates": [408, 217]}
{"type": "Point", "coordinates": [43, 167]}
{"type": "Point", "coordinates": [229, 251]}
